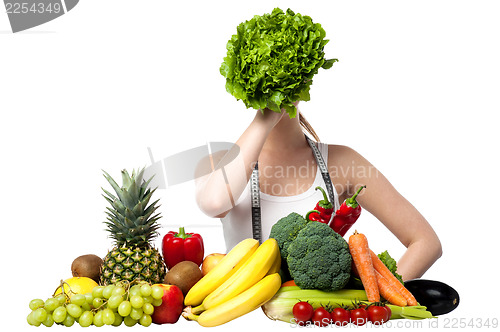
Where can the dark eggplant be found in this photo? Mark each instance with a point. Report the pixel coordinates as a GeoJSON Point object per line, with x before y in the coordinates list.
{"type": "Point", "coordinates": [438, 297]}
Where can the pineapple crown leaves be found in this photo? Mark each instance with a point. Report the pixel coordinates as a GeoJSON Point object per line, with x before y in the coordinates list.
{"type": "Point", "coordinates": [131, 221]}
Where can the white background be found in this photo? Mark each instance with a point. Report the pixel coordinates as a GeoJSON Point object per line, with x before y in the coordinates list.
{"type": "Point", "coordinates": [415, 92]}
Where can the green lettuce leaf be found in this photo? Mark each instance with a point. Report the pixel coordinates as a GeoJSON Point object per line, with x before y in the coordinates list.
{"type": "Point", "coordinates": [272, 59]}
{"type": "Point", "coordinates": [391, 264]}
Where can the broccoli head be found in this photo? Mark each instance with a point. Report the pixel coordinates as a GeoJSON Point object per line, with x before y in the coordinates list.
{"type": "Point", "coordinates": [285, 231]}
{"type": "Point", "coordinates": [319, 258]}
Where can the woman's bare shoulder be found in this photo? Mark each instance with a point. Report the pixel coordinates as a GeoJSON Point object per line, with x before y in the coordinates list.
{"type": "Point", "coordinates": [345, 165]}
{"type": "Point", "coordinates": [342, 154]}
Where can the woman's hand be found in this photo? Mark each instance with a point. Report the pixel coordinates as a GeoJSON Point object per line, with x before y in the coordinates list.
{"type": "Point", "coordinates": [268, 118]}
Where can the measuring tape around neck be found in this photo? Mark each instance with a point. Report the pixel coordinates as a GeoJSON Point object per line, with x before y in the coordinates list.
{"type": "Point", "coordinates": [255, 189]}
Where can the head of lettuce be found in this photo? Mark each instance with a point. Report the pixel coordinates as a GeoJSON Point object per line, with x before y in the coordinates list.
{"type": "Point", "coordinates": [272, 59]}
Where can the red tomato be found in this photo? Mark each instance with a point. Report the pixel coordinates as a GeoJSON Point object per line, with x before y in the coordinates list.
{"type": "Point", "coordinates": [321, 317]}
{"type": "Point", "coordinates": [340, 316]}
{"type": "Point", "coordinates": [377, 314]}
{"type": "Point", "coordinates": [359, 316]}
{"type": "Point", "coordinates": [302, 311]}
{"type": "Point", "coordinates": [389, 313]}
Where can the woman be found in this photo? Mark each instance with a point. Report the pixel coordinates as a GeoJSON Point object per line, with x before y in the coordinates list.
{"type": "Point", "coordinates": [288, 175]}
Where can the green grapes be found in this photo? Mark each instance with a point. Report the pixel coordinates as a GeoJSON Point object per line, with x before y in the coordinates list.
{"type": "Point", "coordinates": [86, 319]}
{"type": "Point", "coordinates": [97, 303]}
{"type": "Point", "coordinates": [119, 291]}
{"type": "Point", "coordinates": [108, 316]}
{"type": "Point", "coordinates": [124, 308]}
{"type": "Point", "coordinates": [32, 321]}
{"type": "Point", "coordinates": [136, 301]}
{"type": "Point", "coordinates": [129, 321]}
{"type": "Point", "coordinates": [145, 290]}
{"type": "Point", "coordinates": [78, 299]}
{"type": "Point", "coordinates": [89, 298]}
{"type": "Point", "coordinates": [118, 320]}
{"type": "Point", "coordinates": [68, 321]}
{"type": "Point", "coordinates": [51, 304]}
{"type": "Point", "coordinates": [74, 310]}
{"type": "Point", "coordinates": [136, 313]}
{"type": "Point", "coordinates": [40, 315]}
{"type": "Point", "coordinates": [98, 319]}
{"type": "Point", "coordinates": [36, 303]}
{"type": "Point", "coordinates": [105, 305]}
{"type": "Point", "coordinates": [61, 298]}
{"type": "Point", "coordinates": [148, 308]}
{"type": "Point", "coordinates": [145, 320]}
{"type": "Point", "coordinates": [97, 291]}
{"type": "Point", "coordinates": [156, 292]}
{"type": "Point", "coordinates": [114, 301]}
{"type": "Point", "coordinates": [135, 290]}
{"type": "Point", "coordinates": [59, 314]}
{"type": "Point", "coordinates": [49, 321]}
{"type": "Point", "coordinates": [108, 291]}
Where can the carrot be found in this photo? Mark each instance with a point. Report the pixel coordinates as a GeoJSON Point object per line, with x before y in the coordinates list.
{"type": "Point", "coordinates": [391, 279]}
{"type": "Point", "coordinates": [388, 292]}
{"type": "Point", "coordinates": [360, 252]}
{"type": "Point", "coordinates": [289, 283]}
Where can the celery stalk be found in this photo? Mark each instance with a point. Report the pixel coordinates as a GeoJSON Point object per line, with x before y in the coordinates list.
{"type": "Point", "coordinates": [292, 291]}
{"type": "Point", "coordinates": [412, 312]}
{"type": "Point", "coordinates": [281, 305]}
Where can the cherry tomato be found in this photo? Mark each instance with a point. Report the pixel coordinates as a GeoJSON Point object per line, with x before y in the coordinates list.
{"type": "Point", "coordinates": [389, 313]}
{"type": "Point", "coordinates": [321, 317]}
{"type": "Point", "coordinates": [302, 311]}
{"type": "Point", "coordinates": [359, 316]}
{"type": "Point", "coordinates": [340, 316]}
{"type": "Point", "coordinates": [377, 314]}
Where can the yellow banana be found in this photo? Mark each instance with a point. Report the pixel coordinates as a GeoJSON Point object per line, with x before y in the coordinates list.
{"type": "Point", "coordinates": [245, 302]}
{"type": "Point", "coordinates": [254, 269]}
{"type": "Point", "coordinates": [276, 267]}
{"type": "Point", "coordinates": [228, 265]}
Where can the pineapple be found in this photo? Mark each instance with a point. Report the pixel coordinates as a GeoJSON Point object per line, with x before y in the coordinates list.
{"type": "Point", "coordinates": [132, 224]}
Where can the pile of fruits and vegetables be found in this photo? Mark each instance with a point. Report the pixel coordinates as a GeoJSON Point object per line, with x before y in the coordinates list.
{"type": "Point", "coordinates": [304, 273]}
{"type": "Point", "coordinates": [334, 281]}
{"type": "Point", "coordinates": [137, 284]}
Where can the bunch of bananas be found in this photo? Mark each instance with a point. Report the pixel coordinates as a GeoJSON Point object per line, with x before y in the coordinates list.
{"type": "Point", "coordinates": [246, 278]}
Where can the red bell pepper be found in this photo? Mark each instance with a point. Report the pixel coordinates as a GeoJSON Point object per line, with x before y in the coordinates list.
{"type": "Point", "coordinates": [181, 246]}
{"type": "Point", "coordinates": [323, 210]}
{"type": "Point", "coordinates": [347, 214]}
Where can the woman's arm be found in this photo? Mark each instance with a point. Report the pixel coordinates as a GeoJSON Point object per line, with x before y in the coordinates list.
{"type": "Point", "coordinates": [217, 191]}
{"type": "Point", "coordinates": [383, 201]}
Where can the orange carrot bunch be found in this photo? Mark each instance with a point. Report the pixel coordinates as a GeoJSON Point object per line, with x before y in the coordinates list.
{"type": "Point", "coordinates": [375, 276]}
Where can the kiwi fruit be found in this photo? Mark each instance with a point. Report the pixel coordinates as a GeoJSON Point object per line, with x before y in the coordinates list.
{"type": "Point", "coordinates": [87, 266]}
{"type": "Point", "coordinates": [183, 275]}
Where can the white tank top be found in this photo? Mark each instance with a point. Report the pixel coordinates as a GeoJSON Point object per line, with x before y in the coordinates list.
{"type": "Point", "coordinates": [237, 224]}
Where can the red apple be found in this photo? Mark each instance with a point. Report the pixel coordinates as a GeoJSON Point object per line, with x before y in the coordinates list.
{"type": "Point", "coordinates": [209, 262]}
{"type": "Point", "coordinates": [171, 307]}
